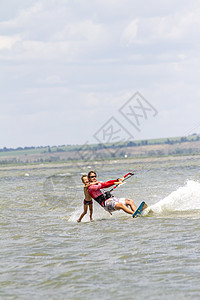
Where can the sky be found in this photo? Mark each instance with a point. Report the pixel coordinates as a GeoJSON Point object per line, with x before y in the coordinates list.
{"type": "Point", "coordinates": [80, 71]}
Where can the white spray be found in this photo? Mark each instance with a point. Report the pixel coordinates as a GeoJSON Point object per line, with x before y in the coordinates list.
{"type": "Point", "coordinates": [185, 198]}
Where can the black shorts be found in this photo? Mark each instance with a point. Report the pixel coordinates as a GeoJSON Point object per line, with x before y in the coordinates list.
{"type": "Point", "coordinates": [87, 202]}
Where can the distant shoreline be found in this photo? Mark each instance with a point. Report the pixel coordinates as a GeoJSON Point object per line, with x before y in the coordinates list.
{"type": "Point", "coordinates": [68, 164]}
{"type": "Point", "coordinates": [131, 149]}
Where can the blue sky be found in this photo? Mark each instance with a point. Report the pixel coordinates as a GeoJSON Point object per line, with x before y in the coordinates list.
{"type": "Point", "coordinates": [67, 67]}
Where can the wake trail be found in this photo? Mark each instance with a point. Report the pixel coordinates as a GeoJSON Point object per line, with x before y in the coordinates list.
{"type": "Point", "coordinates": [185, 199]}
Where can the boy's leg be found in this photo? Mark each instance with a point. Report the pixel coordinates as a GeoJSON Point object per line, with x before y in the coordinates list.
{"type": "Point", "coordinates": [91, 211]}
{"type": "Point", "coordinates": [83, 214]}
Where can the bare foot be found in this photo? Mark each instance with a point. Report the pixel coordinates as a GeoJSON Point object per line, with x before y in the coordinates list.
{"type": "Point", "coordinates": [78, 220]}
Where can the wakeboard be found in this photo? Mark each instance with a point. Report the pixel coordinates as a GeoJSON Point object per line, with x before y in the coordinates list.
{"type": "Point", "coordinates": [140, 209]}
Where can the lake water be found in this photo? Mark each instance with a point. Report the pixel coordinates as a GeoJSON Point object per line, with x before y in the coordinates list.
{"type": "Point", "coordinates": [46, 254]}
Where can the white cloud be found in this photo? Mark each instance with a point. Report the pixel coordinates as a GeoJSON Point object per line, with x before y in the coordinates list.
{"type": "Point", "coordinates": [174, 27]}
{"type": "Point", "coordinates": [7, 42]}
{"type": "Point", "coordinates": [24, 15]}
{"type": "Point", "coordinates": [129, 35]}
{"type": "Point", "coordinates": [49, 34]}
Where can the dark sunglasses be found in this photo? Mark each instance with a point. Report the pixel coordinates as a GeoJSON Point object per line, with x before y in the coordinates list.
{"type": "Point", "coordinates": [93, 176]}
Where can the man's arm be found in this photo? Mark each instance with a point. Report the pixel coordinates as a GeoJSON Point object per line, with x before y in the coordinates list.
{"type": "Point", "coordinates": [107, 183]}
{"type": "Point", "coordinates": [94, 188]}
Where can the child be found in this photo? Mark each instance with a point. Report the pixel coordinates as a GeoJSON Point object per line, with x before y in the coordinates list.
{"type": "Point", "coordinates": [88, 199]}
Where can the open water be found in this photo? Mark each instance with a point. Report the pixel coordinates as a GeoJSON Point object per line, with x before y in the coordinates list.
{"type": "Point", "coordinates": [46, 254]}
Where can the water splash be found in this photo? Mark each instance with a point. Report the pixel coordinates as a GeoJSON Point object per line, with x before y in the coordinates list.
{"type": "Point", "coordinates": [184, 199]}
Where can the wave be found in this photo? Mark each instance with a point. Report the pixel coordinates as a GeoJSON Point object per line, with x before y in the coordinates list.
{"type": "Point", "coordinates": [185, 199]}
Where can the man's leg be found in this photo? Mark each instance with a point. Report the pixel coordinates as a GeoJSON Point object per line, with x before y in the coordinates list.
{"type": "Point", "coordinates": [124, 208]}
{"type": "Point", "coordinates": [131, 204]}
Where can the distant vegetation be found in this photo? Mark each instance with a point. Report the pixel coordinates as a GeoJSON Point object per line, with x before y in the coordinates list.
{"type": "Point", "coordinates": [151, 147]}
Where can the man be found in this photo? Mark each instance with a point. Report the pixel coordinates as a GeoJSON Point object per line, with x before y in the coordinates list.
{"type": "Point", "coordinates": [107, 201]}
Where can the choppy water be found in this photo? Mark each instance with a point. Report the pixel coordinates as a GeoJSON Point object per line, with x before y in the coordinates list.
{"type": "Point", "coordinates": [46, 254]}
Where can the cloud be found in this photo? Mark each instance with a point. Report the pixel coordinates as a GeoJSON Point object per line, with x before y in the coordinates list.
{"type": "Point", "coordinates": [52, 34]}
{"type": "Point", "coordinates": [46, 31]}
{"type": "Point", "coordinates": [7, 42]}
{"type": "Point", "coordinates": [130, 32]}
{"type": "Point", "coordinates": [158, 29]}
